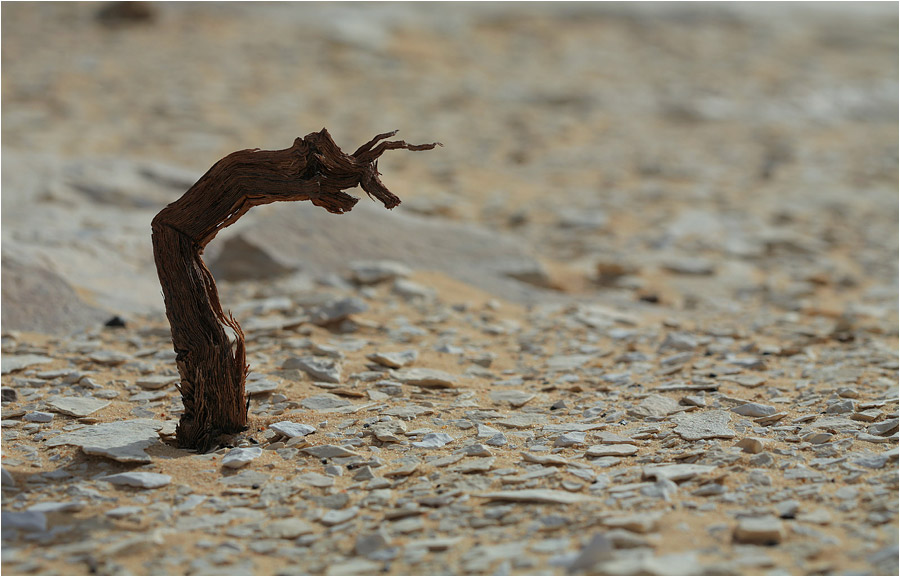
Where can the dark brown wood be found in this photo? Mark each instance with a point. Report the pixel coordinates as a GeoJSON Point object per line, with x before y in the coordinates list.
{"type": "Point", "coordinates": [212, 366]}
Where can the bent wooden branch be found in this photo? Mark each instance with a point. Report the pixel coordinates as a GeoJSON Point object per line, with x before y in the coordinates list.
{"type": "Point", "coordinates": [212, 368]}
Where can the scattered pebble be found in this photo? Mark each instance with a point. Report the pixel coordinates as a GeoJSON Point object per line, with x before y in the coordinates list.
{"type": "Point", "coordinates": [76, 406]}
{"type": "Point", "coordinates": [238, 457]}
{"type": "Point", "coordinates": [759, 531]}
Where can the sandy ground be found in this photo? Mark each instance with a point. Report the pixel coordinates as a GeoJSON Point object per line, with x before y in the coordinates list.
{"type": "Point", "coordinates": [728, 173]}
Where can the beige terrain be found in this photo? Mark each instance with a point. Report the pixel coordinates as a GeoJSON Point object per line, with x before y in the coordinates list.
{"type": "Point", "coordinates": [646, 293]}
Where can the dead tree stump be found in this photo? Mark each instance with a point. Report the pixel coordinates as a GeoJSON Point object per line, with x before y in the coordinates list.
{"type": "Point", "coordinates": [213, 369]}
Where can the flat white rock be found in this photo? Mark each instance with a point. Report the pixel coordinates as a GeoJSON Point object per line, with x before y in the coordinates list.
{"type": "Point", "coordinates": [76, 406]}
{"type": "Point", "coordinates": [156, 382]}
{"type": "Point", "coordinates": [434, 441]}
{"type": "Point", "coordinates": [13, 363]}
{"type": "Point", "coordinates": [677, 472]}
{"type": "Point", "coordinates": [286, 529]}
{"type": "Point", "coordinates": [537, 496]}
{"type": "Point", "coordinates": [122, 441]}
{"type": "Point", "coordinates": [705, 425]}
{"type": "Point", "coordinates": [260, 387]}
{"type": "Point", "coordinates": [395, 360]}
{"type": "Point", "coordinates": [319, 368]}
{"type": "Point", "coordinates": [291, 429]}
{"type": "Point", "coordinates": [766, 530]}
{"type": "Point", "coordinates": [428, 378]}
{"type": "Point", "coordinates": [329, 451]}
{"type": "Point", "coordinates": [513, 398]}
{"type": "Point", "coordinates": [617, 450]}
{"type": "Point", "coordinates": [376, 271]}
{"type": "Point", "coordinates": [324, 402]}
{"type": "Point", "coordinates": [337, 516]}
{"type": "Point", "coordinates": [138, 479]}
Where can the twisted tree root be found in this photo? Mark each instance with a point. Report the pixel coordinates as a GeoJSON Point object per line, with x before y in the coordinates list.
{"type": "Point", "coordinates": [212, 368]}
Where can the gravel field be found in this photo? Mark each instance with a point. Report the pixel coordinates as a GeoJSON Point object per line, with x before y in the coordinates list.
{"type": "Point", "coordinates": [639, 315]}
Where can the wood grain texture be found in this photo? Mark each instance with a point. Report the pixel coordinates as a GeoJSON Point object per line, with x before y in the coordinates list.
{"type": "Point", "coordinates": [212, 365]}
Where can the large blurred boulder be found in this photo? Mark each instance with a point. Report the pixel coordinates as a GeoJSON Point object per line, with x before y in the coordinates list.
{"type": "Point", "coordinates": [242, 259]}
{"type": "Point", "coordinates": [308, 238]}
{"type": "Point", "coordinates": [37, 299]}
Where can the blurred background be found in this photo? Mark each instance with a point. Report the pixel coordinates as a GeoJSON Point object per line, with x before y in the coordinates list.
{"type": "Point", "coordinates": [685, 155]}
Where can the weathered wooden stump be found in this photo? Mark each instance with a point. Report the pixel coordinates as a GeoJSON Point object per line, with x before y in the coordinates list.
{"type": "Point", "coordinates": [213, 369]}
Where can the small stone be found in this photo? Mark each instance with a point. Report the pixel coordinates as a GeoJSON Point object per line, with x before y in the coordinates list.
{"type": "Point", "coordinates": [76, 406]}
{"type": "Point", "coordinates": [434, 441]}
{"type": "Point", "coordinates": [567, 362]}
{"type": "Point", "coordinates": [695, 266]}
{"type": "Point", "coordinates": [884, 429]}
{"type": "Point", "coordinates": [428, 378]}
{"type": "Point", "coordinates": [395, 360]}
{"type": "Point", "coordinates": [840, 407]}
{"type": "Point", "coordinates": [354, 567]}
{"type": "Point", "coordinates": [705, 425]}
{"type": "Point", "coordinates": [372, 272]}
{"type": "Point", "coordinates": [324, 402]}
{"type": "Point", "coordinates": [537, 496]}
{"type": "Point", "coordinates": [122, 512]}
{"type": "Point", "coordinates": [57, 507]}
{"type": "Point", "coordinates": [389, 432]}
{"type": "Point", "coordinates": [680, 472]}
{"type": "Point", "coordinates": [752, 445]}
{"type": "Point", "coordinates": [38, 417]}
{"type": "Point", "coordinates": [6, 479]}
{"type": "Point", "coordinates": [484, 431]}
{"type": "Point", "coordinates": [570, 439]}
{"type": "Point", "coordinates": [762, 460]}
{"type": "Point", "coordinates": [657, 406]}
{"type": "Point", "coordinates": [329, 451]}
{"type": "Point", "coordinates": [817, 438]}
{"type": "Point", "coordinates": [291, 429]}
{"type": "Point", "coordinates": [482, 465]}
{"type": "Point", "coordinates": [759, 531]}
{"type": "Point", "coordinates": [337, 310]}
{"type": "Point", "coordinates": [514, 398]}
{"type": "Point", "coordinates": [679, 342]}
{"type": "Point", "coordinates": [522, 420]}
{"type": "Point", "coordinates": [260, 387]}
{"type": "Point", "coordinates": [8, 395]}
{"type": "Point", "coordinates": [498, 440]}
{"type": "Point", "coordinates": [319, 368]}
{"type": "Point", "coordinates": [755, 410]}
{"type": "Point", "coordinates": [316, 480]}
{"type": "Point", "coordinates": [156, 382]}
{"type": "Point", "coordinates": [369, 543]}
{"type": "Point", "coordinates": [599, 549]}
{"type": "Point", "coordinates": [287, 529]}
{"type": "Point", "coordinates": [787, 509]}
{"type": "Point", "coordinates": [553, 460]}
{"type": "Point", "coordinates": [334, 517]}
{"type": "Point", "coordinates": [364, 474]}
{"type": "Point", "coordinates": [412, 290]}
{"type": "Point", "coordinates": [138, 479]}
{"type": "Point", "coordinates": [238, 457]}
{"type": "Point", "coordinates": [749, 381]}
{"type": "Point", "coordinates": [618, 450]}
{"type": "Point", "coordinates": [607, 438]}
{"type": "Point", "coordinates": [637, 523]}
{"type": "Point", "coordinates": [111, 358]}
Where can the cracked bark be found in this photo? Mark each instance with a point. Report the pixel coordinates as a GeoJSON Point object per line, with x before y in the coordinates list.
{"type": "Point", "coordinates": [213, 369]}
